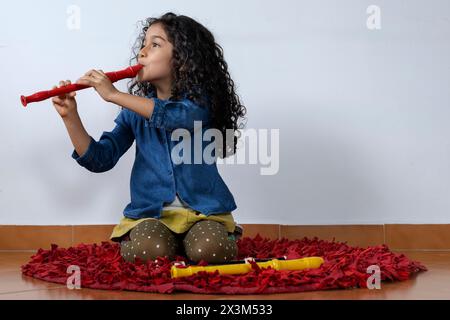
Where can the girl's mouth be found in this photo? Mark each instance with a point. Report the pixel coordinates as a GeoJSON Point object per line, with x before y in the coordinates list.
{"type": "Point", "coordinates": [141, 72]}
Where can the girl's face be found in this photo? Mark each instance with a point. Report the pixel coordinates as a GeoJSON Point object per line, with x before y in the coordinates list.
{"type": "Point", "coordinates": [155, 56]}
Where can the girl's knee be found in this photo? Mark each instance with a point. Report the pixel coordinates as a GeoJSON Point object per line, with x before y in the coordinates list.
{"type": "Point", "coordinates": [148, 240]}
{"type": "Point", "coordinates": [125, 251]}
{"type": "Point", "coordinates": [208, 240]}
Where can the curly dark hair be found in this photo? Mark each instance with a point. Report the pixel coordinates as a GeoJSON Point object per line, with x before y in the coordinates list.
{"type": "Point", "coordinates": [199, 69]}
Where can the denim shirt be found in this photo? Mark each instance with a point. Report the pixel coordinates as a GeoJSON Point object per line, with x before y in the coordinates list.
{"type": "Point", "coordinates": [155, 178]}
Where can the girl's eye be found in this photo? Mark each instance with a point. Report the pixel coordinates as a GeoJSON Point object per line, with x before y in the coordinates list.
{"type": "Point", "coordinates": [154, 44]}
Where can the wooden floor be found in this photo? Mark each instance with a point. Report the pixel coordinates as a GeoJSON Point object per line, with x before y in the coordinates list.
{"type": "Point", "coordinates": [433, 284]}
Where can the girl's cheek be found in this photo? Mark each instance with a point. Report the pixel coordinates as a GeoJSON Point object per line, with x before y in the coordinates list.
{"type": "Point", "coordinates": [154, 72]}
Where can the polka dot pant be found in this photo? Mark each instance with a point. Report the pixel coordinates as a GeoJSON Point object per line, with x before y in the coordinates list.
{"type": "Point", "coordinates": [148, 240]}
{"type": "Point", "coordinates": [208, 240]}
{"type": "Point", "coordinates": [205, 240]}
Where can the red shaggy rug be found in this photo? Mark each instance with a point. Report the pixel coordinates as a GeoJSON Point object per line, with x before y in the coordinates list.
{"type": "Point", "coordinates": [102, 267]}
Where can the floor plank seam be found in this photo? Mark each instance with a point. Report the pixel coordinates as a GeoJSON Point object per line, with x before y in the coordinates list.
{"type": "Point", "coordinates": [32, 290]}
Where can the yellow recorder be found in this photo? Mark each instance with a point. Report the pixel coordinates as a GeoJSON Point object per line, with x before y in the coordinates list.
{"type": "Point", "coordinates": [238, 268]}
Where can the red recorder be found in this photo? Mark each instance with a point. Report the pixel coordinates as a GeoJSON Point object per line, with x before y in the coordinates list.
{"type": "Point", "coordinates": [114, 76]}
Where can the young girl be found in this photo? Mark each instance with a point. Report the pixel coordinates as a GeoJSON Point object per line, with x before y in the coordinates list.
{"type": "Point", "coordinates": [176, 208]}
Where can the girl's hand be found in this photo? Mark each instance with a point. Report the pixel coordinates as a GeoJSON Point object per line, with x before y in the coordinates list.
{"type": "Point", "coordinates": [65, 104]}
{"type": "Point", "coordinates": [100, 81]}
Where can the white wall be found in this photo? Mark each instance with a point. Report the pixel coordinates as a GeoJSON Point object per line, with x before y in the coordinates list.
{"type": "Point", "coordinates": [363, 115]}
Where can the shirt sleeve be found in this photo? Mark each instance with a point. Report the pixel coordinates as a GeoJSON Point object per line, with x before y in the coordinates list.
{"type": "Point", "coordinates": [103, 155]}
{"type": "Point", "coordinates": [172, 115]}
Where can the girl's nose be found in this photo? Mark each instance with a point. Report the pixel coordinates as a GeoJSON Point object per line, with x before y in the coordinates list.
{"type": "Point", "coordinates": [142, 53]}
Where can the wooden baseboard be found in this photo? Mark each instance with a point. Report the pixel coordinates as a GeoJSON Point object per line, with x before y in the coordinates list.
{"type": "Point", "coordinates": [402, 237]}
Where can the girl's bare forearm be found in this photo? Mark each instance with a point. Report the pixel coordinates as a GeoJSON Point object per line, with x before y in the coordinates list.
{"type": "Point", "coordinates": [140, 105]}
{"type": "Point", "coordinates": [78, 135]}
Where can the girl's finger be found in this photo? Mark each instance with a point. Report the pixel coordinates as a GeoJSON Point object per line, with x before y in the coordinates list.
{"type": "Point", "coordinates": [103, 74]}
{"type": "Point", "coordinates": [72, 93]}
{"type": "Point", "coordinates": [93, 80]}
{"type": "Point", "coordinates": [88, 73]}
{"type": "Point", "coordinates": [84, 80]}
{"type": "Point", "coordinates": [61, 84]}
{"type": "Point", "coordinates": [97, 74]}
{"type": "Point", "coordinates": [57, 101]}
{"type": "Point", "coordinates": [91, 73]}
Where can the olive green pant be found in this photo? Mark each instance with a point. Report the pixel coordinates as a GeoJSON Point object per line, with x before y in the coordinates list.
{"type": "Point", "coordinates": [205, 240]}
